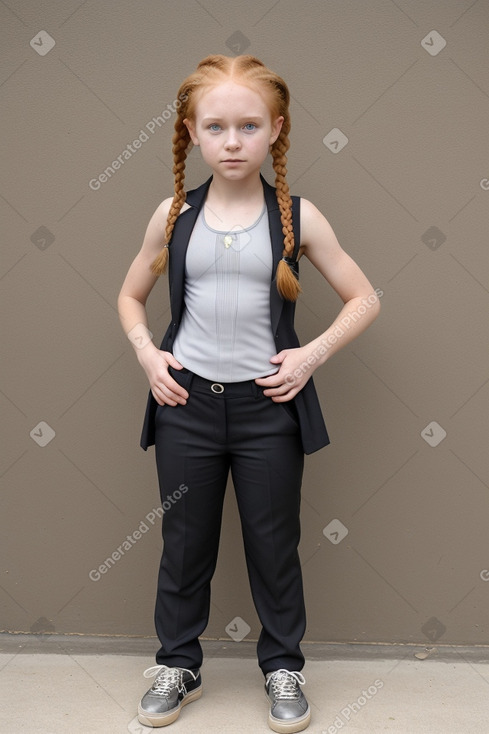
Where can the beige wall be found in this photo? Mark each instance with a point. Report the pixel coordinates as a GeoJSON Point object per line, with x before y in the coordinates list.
{"type": "Point", "coordinates": [408, 198]}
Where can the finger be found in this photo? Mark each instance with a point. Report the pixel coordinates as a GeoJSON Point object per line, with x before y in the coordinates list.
{"type": "Point", "coordinates": [280, 391]}
{"type": "Point", "coordinates": [285, 397]}
{"type": "Point", "coordinates": [166, 380]}
{"type": "Point", "coordinates": [158, 396]}
{"type": "Point", "coordinates": [166, 396]}
{"type": "Point", "coordinates": [162, 399]}
{"type": "Point", "coordinates": [280, 382]}
{"type": "Point", "coordinates": [172, 361]}
{"type": "Point", "coordinates": [271, 381]}
{"type": "Point", "coordinates": [175, 391]}
{"type": "Point", "coordinates": [278, 358]}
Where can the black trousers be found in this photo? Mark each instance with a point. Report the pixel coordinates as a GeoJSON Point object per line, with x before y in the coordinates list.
{"type": "Point", "coordinates": [197, 445]}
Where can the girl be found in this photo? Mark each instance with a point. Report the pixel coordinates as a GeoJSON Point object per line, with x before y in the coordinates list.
{"type": "Point", "coordinates": [231, 388]}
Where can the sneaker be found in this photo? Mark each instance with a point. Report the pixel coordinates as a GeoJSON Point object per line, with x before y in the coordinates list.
{"type": "Point", "coordinates": [172, 689]}
{"type": "Point", "coordinates": [289, 710]}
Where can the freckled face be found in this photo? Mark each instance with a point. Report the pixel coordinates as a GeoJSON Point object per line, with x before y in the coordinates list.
{"type": "Point", "coordinates": [234, 130]}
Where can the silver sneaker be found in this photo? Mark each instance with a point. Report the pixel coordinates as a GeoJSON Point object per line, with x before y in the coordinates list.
{"type": "Point", "coordinates": [289, 710]}
{"type": "Point", "coordinates": [172, 689]}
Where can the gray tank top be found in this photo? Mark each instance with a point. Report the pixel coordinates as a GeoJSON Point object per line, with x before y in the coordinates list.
{"type": "Point", "coordinates": [225, 334]}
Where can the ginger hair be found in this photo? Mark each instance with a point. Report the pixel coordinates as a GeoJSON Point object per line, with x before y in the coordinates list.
{"type": "Point", "coordinates": [251, 72]}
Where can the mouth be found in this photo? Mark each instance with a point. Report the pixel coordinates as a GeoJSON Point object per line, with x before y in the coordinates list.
{"type": "Point", "coordinates": [233, 160]}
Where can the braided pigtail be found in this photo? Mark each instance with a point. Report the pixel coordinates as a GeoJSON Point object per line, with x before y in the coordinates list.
{"type": "Point", "coordinates": [287, 282]}
{"type": "Point", "coordinates": [181, 144]}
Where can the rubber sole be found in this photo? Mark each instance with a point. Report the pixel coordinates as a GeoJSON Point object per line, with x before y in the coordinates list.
{"type": "Point", "coordinates": [289, 727]}
{"type": "Point", "coordinates": [155, 720]}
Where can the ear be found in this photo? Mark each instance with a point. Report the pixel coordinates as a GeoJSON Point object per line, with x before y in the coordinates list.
{"type": "Point", "coordinates": [190, 125]}
{"type": "Point", "coordinates": [276, 128]}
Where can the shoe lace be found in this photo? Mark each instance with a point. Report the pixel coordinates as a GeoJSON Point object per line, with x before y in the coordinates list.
{"type": "Point", "coordinates": [285, 684]}
{"type": "Point", "coordinates": [167, 679]}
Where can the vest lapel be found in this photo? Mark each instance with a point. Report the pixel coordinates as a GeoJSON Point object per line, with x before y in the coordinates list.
{"type": "Point", "coordinates": [178, 248]}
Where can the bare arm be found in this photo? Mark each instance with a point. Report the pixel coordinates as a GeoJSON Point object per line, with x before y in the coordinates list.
{"type": "Point", "coordinates": [131, 303]}
{"type": "Point", "coordinates": [361, 306]}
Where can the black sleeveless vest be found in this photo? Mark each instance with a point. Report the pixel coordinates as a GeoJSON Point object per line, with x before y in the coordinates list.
{"type": "Point", "coordinates": [312, 429]}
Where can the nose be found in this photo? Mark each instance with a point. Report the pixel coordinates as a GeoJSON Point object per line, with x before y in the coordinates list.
{"type": "Point", "coordinates": [232, 140]}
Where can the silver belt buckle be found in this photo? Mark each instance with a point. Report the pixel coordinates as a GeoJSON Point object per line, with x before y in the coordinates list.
{"type": "Point", "coordinates": [217, 388]}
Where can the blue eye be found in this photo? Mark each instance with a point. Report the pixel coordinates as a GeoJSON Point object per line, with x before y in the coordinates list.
{"type": "Point", "coordinates": [250, 126]}
{"type": "Point", "coordinates": [214, 127]}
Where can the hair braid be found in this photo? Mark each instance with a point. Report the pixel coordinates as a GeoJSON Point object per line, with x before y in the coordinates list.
{"type": "Point", "coordinates": [181, 142]}
{"type": "Point", "coordinates": [287, 282]}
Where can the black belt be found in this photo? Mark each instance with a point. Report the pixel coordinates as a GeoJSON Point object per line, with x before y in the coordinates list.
{"type": "Point", "coordinates": [246, 388]}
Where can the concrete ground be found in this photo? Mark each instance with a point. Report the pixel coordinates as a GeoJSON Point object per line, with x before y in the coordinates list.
{"type": "Point", "coordinates": [54, 684]}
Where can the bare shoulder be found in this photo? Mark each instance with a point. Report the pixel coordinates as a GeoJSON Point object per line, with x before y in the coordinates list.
{"type": "Point", "coordinates": [161, 214]}
{"type": "Point", "coordinates": [316, 231]}
{"type": "Point", "coordinates": [155, 233]}
{"type": "Point", "coordinates": [140, 278]}
{"type": "Point", "coordinates": [163, 209]}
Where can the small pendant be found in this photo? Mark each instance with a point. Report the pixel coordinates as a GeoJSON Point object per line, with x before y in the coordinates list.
{"type": "Point", "coordinates": [228, 241]}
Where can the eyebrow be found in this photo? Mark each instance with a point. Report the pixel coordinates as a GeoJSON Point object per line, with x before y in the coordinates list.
{"type": "Point", "coordinates": [242, 119]}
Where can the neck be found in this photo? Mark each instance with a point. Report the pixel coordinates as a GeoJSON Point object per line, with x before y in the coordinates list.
{"type": "Point", "coordinates": [230, 193]}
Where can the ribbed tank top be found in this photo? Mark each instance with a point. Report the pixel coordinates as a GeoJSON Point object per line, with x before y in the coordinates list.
{"type": "Point", "coordinates": [225, 334]}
